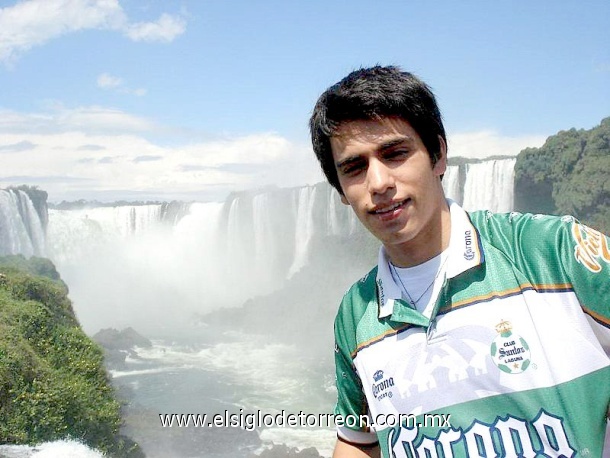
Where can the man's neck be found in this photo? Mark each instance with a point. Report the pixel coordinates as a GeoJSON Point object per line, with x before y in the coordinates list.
{"type": "Point", "coordinates": [430, 242]}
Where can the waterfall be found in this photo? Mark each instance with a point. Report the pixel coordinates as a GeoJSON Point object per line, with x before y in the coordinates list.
{"type": "Point", "coordinates": [489, 185]}
{"type": "Point", "coordinates": [173, 260]}
{"type": "Point", "coordinates": [304, 228]}
{"type": "Point", "coordinates": [482, 185]}
{"type": "Point", "coordinates": [452, 183]}
{"type": "Point", "coordinates": [237, 244]}
{"type": "Point", "coordinates": [130, 264]}
{"type": "Point", "coordinates": [265, 250]}
{"type": "Point", "coordinates": [21, 227]}
{"type": "Point", "coordinates": [269, 231]}
{"type": "Point", "coordinates": [255, 231]}
{"type": "Point", "coordinates": [341, 218]}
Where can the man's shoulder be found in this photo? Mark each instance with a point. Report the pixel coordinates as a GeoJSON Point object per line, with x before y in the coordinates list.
{"type": "Point", "coordinates": [486, 217]}
{"type": "Point", "coordinates": [495, 226]}
{"type": "Point", "coordinates": [359, 305]}
{"type": "Point", "coordinates": [359, 296]}
{"type": "Point", "coordinates": [534, 240]}
{"type": "Point", "coordinates": [365, 288]}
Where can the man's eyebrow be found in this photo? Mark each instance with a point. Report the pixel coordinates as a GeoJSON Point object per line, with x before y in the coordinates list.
{"type": "Point", "coordinates": [348, 161]}
{"type": "Point", "coordinates": [389, 144]}
{"type": "Point", "coordinates": [395, 142]}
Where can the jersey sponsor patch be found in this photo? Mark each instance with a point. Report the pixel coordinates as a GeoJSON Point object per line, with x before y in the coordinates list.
{"type": "Point", "coordinates": [591, 247]}
{"type": "Point", "coordinates": [506, 436]}
{"type": "Point", "coordinates": [468, 252]}
{"type": "Point", "coordinates": [382, 386]}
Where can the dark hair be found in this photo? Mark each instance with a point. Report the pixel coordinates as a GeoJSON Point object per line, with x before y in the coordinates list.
{"type": "Point", "coordinates": [371, 93]}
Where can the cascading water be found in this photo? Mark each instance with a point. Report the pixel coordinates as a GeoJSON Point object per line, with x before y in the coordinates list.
{"type": "Point", "coordinates": [482, 185]}
{"type": "Point", "coordinates": [341, 219]}
{"type": "Point", "coordinates": [452, 183]}
{"type": "Point", "coordinates": [113, 256]}
{"type": "Point", "coordinates": [21, 227]}
{"type": "Point", "coordinates": [489, 185]}
{"type": "Point", "coordinates": [217, 255]}
{"type": "Point", "coordinates": [304, 228]}
{"type": "Point", "coordinates": [265, 251]}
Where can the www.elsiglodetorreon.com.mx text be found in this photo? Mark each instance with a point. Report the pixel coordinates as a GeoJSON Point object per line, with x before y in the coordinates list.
{"type": "Point", "coordinates": [258, 419]}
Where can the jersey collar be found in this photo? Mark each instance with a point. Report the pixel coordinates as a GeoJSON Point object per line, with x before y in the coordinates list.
{"type": "Point", "coordinates": [465, 252]}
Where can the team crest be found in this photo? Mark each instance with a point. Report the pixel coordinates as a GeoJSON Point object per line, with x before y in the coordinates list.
{"type": "Point", "coordinates": [509, 352]}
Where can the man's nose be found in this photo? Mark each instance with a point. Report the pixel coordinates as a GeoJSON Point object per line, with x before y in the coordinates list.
{"type": "Point", "coordinates": [379, 177]}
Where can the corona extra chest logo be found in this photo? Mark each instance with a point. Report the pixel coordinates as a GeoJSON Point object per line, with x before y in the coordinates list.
{"type": "Point", "coordinates": [382, 386]}
{"type": "Point", "coordinates": [509, 351]}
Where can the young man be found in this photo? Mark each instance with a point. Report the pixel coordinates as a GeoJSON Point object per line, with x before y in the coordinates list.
{"type": "Point", "coordinates": [476, 335]}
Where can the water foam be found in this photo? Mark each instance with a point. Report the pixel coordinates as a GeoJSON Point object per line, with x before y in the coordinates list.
{"type": "Point", "coordinates": [323, 439]}
{"type": "Point", "coordinates": [270, 373]}
{"type": "Point", "coordinates": [57, 449]}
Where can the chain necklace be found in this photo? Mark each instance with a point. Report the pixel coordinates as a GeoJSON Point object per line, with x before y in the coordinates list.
{"type": "Point", "coordinates": [404, 288]}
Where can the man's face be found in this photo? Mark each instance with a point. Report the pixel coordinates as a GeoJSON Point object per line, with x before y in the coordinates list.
{"type": "Point", "coordinates": [388, 178]}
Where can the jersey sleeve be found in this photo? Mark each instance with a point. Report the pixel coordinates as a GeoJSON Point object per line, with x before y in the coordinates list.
{"type": "Point", "coordinates": [558, 252]}
{"type": "Point", "coordinates": [351, 402]}
{"type": "Point", "coordinates": [586, 262]}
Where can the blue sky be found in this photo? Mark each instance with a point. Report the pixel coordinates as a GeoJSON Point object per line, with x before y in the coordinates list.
{"type": "Point", "coordinates": [139, 99]}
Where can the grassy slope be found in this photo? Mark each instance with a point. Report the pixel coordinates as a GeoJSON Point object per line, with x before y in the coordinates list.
{"type": "Point", "coordinates": [53, 384]}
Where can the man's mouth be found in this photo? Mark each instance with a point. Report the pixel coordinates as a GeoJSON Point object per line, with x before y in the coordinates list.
{"type": "Point", "coordinates": [381, 210]}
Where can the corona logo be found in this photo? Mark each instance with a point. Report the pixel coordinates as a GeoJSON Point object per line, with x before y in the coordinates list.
{"type": "Point", "coordinates": [468, 253]}
{"type": "Point", "coordinates": [381, 388]}
{"type": "Point", "coordinates": [544, 436]}
{"type": "Point", "coordinates": [380, 293]}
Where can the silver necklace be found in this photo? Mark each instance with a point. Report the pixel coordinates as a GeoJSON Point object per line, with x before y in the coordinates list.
{"type": "Point", "coordinates": [404, 288]}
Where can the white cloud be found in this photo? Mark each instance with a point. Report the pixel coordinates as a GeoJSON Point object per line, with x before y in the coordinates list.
{"type": "Point", "coordinates": [34, 22]}
{"type": "Point", "coordinates": [99, 119]}
{"type": "Point", "coordinates": [93, 120]}
{"type": "Point", "coordinates": [110, 82]}
{"type": "Point", "coordinates": [165, 29]}
{"type": "Point", "coordinates": [80, 153]}
{"type": "Point", "coordinates": [487, 143]}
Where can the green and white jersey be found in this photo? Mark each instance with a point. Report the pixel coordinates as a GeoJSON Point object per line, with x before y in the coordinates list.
{"type": "Point", "coordinates": [514, 359]}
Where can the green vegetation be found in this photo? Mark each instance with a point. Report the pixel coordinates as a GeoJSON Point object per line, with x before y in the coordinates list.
{"type": "Point", "coordinates": [53, 384]}
{"type": "Point", "coordinates": [569, 174]}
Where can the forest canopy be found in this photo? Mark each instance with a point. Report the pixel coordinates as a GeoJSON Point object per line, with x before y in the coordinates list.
{"type": "Point", "coordinates": [569, 174]}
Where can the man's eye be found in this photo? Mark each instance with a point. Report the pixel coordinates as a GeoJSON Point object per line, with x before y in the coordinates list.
{"type": "Point", "coordinates": [396, 154]}
{"type": "Point", "coordinates": [352, 168]}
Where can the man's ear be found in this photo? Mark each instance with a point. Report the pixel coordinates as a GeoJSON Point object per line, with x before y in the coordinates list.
{"type": "Point", "coordinates": [441, 164]}
{"type": "Point", "coordinates": [344, 199]}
